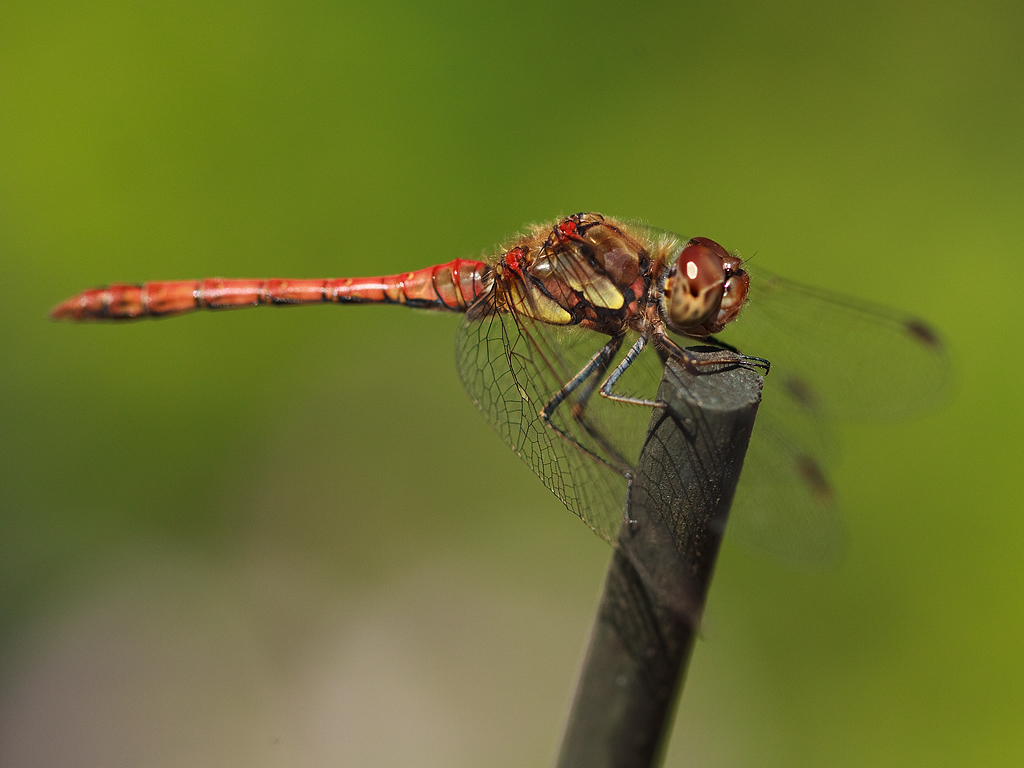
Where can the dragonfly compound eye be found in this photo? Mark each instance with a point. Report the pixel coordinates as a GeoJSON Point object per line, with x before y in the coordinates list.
{"type": "Point", "coordinates": [694, 288]}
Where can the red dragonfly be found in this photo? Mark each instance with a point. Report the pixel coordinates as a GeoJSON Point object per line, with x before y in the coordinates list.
{"type": "Point", "coordinates": [589, 303]}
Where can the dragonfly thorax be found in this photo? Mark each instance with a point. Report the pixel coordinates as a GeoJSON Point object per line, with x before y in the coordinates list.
{"type": "Point", "coordinates": [585, 270]}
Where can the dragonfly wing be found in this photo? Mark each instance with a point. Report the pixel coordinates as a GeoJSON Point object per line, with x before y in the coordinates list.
{"type": "Point", "coordinates": [839, 356]}
{"type": "Point", "coordinates": [512, 366]}
{"type": "Point", "coordinates": [832, 358]}
{"type": "Point", "coordinates": [784, 505]}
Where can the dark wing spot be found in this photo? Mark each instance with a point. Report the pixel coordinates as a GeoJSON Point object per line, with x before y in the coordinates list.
{"type": "Point", "coordinates": [802, 392]}
{"type": "Point", "coordinates": [923, 333]}
{"type": "Point", "coordinates": [814, 477]}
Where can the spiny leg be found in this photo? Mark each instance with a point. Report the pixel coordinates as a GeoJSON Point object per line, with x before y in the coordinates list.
{"type": "Point", "coordinates": [756, 362]}
{"type": "Point", "coordinates": [614, 376]}
{"type": "Point", "coordinates": [592, 371]}
{"type": "Point", "coordinates": [730, 355]}
{"type": "Point", "coordinates": [579, 408]}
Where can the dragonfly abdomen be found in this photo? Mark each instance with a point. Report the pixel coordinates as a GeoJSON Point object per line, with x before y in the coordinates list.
{"type": "Point", "coordinates": [452, 286]}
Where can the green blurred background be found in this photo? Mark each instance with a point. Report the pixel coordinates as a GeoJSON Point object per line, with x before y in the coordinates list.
{"type": "Point", "coordinates": [286, 537]}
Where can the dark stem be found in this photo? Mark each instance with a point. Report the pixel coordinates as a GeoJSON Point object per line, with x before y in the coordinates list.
{"type": "Point", "coordinates": [661, 568]}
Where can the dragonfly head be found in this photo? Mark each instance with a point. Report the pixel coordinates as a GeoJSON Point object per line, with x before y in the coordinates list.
{"type": "Point", "coordinates": [703, 290]}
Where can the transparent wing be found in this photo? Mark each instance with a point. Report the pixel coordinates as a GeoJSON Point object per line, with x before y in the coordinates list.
{"type": "Point", "coordinates": [512, 366]}
{"type": "Point", "coordinates": [784, 505]}
{"type": "Point", "coordinates": [832, 358]}
{"type": "Point", "coordinates": [838, 356]}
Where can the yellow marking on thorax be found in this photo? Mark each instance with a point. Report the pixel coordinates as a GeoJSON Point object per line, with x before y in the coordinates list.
{"type": "Point", "coordinates": [537, 305]}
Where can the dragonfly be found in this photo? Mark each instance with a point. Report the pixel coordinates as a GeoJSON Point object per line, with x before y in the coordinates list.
{"type": "Point", "coordinates": [564, 335]}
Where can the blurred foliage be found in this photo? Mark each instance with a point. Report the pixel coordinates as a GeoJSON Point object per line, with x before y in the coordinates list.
{"type": "Point", "coordinates": [285, 537]}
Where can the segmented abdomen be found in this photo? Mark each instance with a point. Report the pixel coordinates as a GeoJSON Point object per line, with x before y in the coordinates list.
{"type": "Point", "coordinates": [452, 286]}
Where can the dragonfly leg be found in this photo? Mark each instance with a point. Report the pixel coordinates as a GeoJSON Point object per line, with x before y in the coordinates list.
{"type": "Point", "coordinates": [614, 376]}
{"type": "Point", "coordinates": [587, 379]}
{"type": "Point", "coordinates": [755, 362]}
{"type": "Point", "coordinates": [607, 354]}
{"type": "Point", "coordinates": [730, 356]}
